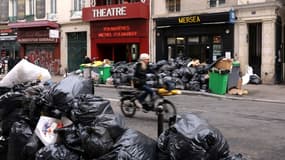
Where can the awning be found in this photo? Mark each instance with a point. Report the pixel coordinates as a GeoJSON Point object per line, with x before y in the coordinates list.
{"type": "Point", "coordinates": [34, 24]}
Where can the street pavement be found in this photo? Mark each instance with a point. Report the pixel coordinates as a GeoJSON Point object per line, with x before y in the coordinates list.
{"type": "Point", "coordinates": [262, 92]}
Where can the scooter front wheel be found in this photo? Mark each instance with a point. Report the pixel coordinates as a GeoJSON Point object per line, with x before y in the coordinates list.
{"type": "Point", "coordinates": [128, 108]}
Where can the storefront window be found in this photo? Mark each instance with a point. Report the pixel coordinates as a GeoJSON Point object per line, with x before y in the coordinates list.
{"type": "Point", "coordinates": [217, 47]}
{"type": "Point", "coordinates": [171, 41]}
{"type": "Point", "coordinates": [205, 39]}
{"type": "Point", "coordinates": [193, 39]}
{"type": "Point", "coordinates": [180, 40]}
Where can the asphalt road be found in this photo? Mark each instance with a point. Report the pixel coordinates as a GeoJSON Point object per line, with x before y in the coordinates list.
{"type": "Point", "coordinates": [254, 129]}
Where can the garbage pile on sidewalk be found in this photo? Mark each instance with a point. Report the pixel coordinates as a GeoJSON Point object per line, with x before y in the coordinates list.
{"type": "Point", "coordinates": [65, 120]}
{"type": "Point", "coordinates": [219, 77]}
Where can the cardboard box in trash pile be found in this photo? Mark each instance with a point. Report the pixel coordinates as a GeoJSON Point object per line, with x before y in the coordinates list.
{"type": "Point", "coordinates": [224, 64]}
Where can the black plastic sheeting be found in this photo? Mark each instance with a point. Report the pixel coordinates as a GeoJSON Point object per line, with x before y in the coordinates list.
{"type": "Point", "coordinates": [56, 152]}
{"type": "Point", "coordinates": [62, 94]}
{"type": "Point", "coordinates": [192, 138]}
{"type": "Point", "coordinates": [132, 145]}
{"type": "Point", "coordinates": [85, 108]}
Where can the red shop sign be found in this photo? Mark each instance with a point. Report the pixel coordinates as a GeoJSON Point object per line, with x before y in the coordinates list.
{"type": "Point", "coordinates": [113, 12]}
{"type": "Point", "coordinates": [134, 28]}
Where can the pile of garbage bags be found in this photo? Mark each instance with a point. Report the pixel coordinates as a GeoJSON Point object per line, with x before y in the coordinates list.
{"type": "Point", "coordinates": [65, 120]}
{"type": "Point", "coordinates": [179, 73]}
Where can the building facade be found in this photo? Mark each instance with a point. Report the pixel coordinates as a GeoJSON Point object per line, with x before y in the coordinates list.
{"type": "Point", "coordinates": [74, 34]}
{"type": "Point", "coordinates": [63, 32]}
{"type": "Point", "coordinates": [250, 31]}
{"type": "Point", "coordinates": [28, 19]}
{"type": "Point", "coordinates": [119, 30]}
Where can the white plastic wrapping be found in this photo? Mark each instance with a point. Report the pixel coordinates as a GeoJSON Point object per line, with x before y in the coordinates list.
{"type": "Point", "coordinates": [25, 71]}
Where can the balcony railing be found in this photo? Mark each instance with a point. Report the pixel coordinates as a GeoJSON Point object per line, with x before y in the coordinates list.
{"type": "Point", "coordinates": [12, 19]}
{"type": "Point", "coordinates": [29, 18]}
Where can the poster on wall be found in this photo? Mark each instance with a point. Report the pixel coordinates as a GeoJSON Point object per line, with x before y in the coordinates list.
{"type": "Point", "coordinates": [4, 10]}
{"type": "Point", "coordinates": [21, 9]}
{"type": "Point", "coordinates": [40, 9]}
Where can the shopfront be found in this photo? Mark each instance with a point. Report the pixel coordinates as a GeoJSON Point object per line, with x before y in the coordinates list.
{"type": "Point", "coordinates": [118, 32]}
{"type": "Point", "coordinates": [40, 43]}
{"type": "Point", "coordinates": [205, 37]}
{"type": "Point", "coordinates": [8, 44]}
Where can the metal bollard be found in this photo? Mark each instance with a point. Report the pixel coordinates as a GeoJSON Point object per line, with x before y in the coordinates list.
{"type": "Point", "coordinates": [160, 120]}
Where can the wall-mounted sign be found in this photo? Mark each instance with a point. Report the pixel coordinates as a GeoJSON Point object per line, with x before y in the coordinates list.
{"type": "Point", "coordinates": [189, 19]}
{"type": "Point", "coordinates": [194, 19]}
{"type": "Point", "coordinates": [39, 36]}
{"type": "Point", "coordinates": [134, 28]}
{"type": "Point", "coordinates": [117, 31]}
{"type": "Point", "coordinates": [111, 12]}
{"type": "Point", "coordinates": [53, 33]}
{"type": "Point", "coordinates": [232, 16]}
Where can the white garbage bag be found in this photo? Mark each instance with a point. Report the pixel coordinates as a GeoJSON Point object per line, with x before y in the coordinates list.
{"type": "Point", "coordinates": [246, 77]}
{"type": "Point", "coordinates": [25, 71]}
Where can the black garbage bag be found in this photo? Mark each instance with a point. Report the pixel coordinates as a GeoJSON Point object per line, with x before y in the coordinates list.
{"type": "Point", "coordinates": [56, 152]}
{"type": "Point", "coordinates": [13, 107]}
{"type": "Point", "coordinates": [71, 137]}
{"type": "Point", "coordinates": [10, 101]}
{"type": "Point", "coordinates": [62, 93]}
{"type": "Point", "coordinates": [31, 147]}
{"type": "Point", "coordinates": [34, 90]}
{"type": "Point", "coordinates": [192, 137]}
{"type": "Point", "coordinates": [96, 142]}
{"type": "Point", "coordinates": [3, 147]}
{"type": "Point", "coordinates": [132, 145]}
{"type": "Point", "coordinates": [194, 86]}
{"type": "Point", "coordinates": [254, 79]}
{"type": "Point", "coordinates": [4, 90]}
{"type": "Point", "coordinates": [114, 123]}
{"type": "Point", "coordinates": [87, 107]}
{"type": "Point", "coordinates": [22, 86]}
{"type": "Point", "coordinates": [18, 138]}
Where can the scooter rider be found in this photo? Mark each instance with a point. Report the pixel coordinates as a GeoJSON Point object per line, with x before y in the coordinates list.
{"type": "Point", "coordinates": [141, 69]}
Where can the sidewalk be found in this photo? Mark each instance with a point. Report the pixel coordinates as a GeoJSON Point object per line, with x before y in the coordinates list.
{"type": "Point", "coordinates": [261, 93]}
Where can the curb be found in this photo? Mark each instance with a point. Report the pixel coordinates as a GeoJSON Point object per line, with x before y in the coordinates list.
{"type": "Point", "coordinates": [185, 92]}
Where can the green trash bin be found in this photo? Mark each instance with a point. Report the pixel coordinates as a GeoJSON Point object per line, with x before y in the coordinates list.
{"type": "Point", "coordinates": [218, 82]}
{"type": "Point", "coordinates": [81, 67]}
{"type": "Point", "coordinates": [105, 73]}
